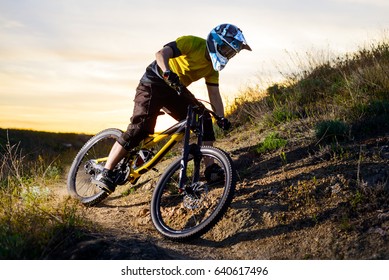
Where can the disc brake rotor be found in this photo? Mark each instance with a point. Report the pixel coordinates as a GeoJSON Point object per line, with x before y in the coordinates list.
{"type": "Point", "coordinates": [195, 195]}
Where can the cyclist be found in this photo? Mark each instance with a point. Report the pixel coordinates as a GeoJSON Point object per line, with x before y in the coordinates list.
{"type": "Point", "coordinates": [181, 62]}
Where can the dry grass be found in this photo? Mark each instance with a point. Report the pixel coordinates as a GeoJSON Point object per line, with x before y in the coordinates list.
{"type": "Point", "coordinates": [33, 223]}
{"type": "Point", "coordinates": [353, 89]}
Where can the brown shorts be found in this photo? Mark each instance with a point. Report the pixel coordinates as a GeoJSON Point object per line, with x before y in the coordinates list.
{"type": "Point", "coordinates": [149, 100]}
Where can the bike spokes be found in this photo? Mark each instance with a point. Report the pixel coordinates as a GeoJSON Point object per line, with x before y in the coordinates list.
{"type": "Point", "coordinates": [197, 206]}
{"type": "Point", "coordinates": [89, 163]}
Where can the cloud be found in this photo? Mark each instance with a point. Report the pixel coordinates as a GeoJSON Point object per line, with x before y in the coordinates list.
{"type": "Point", "coordinates": [6, 24]}
{"type": "Point", "coordinates": [83, 59]}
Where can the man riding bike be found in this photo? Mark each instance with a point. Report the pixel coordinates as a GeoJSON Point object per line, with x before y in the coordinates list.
{"type": "Point", "coordinates": [178, 63]}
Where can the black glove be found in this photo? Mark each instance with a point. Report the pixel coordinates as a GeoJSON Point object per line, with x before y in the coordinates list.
{"type": "Point", "coordinates": [172, 79]}
{"type": "Point", "coordinates": [223, 123]}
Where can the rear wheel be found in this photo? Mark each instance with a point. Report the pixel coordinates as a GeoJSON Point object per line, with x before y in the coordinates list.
{"type": "Point", "coordinates": [187, 214]}
{"type": "Point", "coordinates": [86, 166]}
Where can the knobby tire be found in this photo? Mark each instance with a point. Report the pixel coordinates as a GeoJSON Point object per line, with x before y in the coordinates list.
{"type": "Point", "coordinates": [79, 182]}
{"type": "Point", "coordinates": [181, 217]}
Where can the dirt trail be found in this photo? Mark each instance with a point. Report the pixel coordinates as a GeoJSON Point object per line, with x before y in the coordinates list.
{"type": "Point", "coordinates": [311, 203]}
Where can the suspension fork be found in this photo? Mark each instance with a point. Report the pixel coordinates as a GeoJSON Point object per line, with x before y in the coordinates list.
{"type": "Point", "coordinates": [185, 153]}
{"type": "Point", "coordinates": [188, 149]}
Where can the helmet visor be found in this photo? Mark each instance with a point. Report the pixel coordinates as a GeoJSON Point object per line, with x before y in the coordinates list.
{"type": "Point", "coordinates": [226, 50]}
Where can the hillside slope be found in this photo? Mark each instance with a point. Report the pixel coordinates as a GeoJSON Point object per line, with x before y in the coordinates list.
{"type": "Point", "coordinates": [318, 204]}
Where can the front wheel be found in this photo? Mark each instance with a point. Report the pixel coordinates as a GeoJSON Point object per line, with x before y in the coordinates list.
{"type": "Point", "coordinates": [188, 214]}
{"type": "Point", "coordinates": [88, 163]}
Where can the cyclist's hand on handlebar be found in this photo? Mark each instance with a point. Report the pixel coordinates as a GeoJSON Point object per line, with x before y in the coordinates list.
{"type": "Point", "coordinates": [172, 79]}
{"type": "Point", "coordinates": [223, 123]}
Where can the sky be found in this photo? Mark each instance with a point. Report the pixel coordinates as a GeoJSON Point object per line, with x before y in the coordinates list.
{"type": "Point", "coordinates": [73, 65]}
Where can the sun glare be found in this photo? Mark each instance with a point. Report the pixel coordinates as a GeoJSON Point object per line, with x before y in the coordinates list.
{"type": "Point", "coordinates": [164, 122]}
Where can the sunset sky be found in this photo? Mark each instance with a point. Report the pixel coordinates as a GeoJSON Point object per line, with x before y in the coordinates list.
{"type": "Point", "coordinates": [73, 65]}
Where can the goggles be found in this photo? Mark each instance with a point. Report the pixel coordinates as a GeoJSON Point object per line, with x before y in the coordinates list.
{"type": "Point", "coordinates": [226, 50]}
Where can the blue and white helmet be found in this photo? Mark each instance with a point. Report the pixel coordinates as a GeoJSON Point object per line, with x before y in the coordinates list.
{"type": "Point", "coordinates": [223, 42]}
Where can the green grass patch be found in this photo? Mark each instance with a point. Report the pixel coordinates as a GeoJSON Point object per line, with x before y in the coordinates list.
{"type": "Point", "coordinates": [272, 142]}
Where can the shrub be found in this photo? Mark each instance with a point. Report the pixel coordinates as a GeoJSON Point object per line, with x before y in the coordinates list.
{"type": "Point", "coordinates": [272, 142]}
{"type": "Point", "coordinates": [371, 118]}
{"type": "Point", "coordinates": [331, 130]}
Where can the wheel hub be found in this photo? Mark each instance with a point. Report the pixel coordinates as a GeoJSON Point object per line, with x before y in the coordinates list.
{"type": "Point", "coordinates": [195, 195]}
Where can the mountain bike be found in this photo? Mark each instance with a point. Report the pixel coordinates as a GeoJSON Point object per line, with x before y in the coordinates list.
{"type": "Point", "coordinates": [184, 204]}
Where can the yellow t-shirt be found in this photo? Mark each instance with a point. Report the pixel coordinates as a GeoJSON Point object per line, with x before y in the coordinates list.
{"type": "Point", "coordinates": [190, 63]}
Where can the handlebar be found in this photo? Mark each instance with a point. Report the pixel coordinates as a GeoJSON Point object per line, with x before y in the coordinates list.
{"type": "Point", "coordinates": [186, 93]}
{"type": "Point", "coordinates": [220, 121]}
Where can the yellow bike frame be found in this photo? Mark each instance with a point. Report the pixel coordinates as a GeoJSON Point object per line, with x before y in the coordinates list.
{"type": "Point", "coordinates": [150, 142]}
{"type": "Point", "coordinates": [175, 134]}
